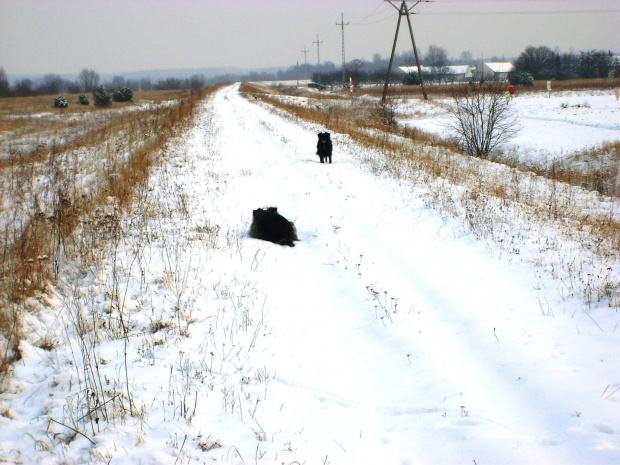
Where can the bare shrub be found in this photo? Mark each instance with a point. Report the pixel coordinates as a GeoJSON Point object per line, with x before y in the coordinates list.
{"type": "Point", "coordinates": [481, 119]}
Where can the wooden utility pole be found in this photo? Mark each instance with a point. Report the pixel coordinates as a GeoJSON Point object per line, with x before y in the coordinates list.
{"type": "Point", "coordinates": [318, 57]}
{"type": "Point", "coordinates": [404, 10]}
{"type": "Point", "coordinates": [343, 24]}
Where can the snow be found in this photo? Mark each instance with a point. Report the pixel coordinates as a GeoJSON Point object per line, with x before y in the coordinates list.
{"type": "Point", "coordinates": [551, 125]}
{"type": "Point", "coordinates": [387, 335]}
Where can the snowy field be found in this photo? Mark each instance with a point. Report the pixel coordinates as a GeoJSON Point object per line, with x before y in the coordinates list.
{"type": "Point", "coordinates": [387, 335]}
{"type": "Point", "coordinates": [551, 125]}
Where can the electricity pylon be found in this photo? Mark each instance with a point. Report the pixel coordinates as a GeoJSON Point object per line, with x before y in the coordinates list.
{"type": "Point", "coordinates": [343, 24]}
{"type": "Point", "coordinates": [404, 10]}
{"type": "Point", "coordinates": [318, 58]}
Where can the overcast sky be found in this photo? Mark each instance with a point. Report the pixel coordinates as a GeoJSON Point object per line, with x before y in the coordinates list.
{"type": "Point", "coordinates": [116, 36]}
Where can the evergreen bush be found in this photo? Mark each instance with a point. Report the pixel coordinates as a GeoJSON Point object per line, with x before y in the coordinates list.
{"type": "Point", "coordinates": [123, 94]}
{"type": "Point", "coordinates": [83, 100]}
{"type": "Point", "coordinates": [521, 78]}
{"type": "Point", "coordinates": [102, 98]}
{"type": "Point", "coordinates": [411, 79]}
{"type": "Point", "coordinates": [60, 102]}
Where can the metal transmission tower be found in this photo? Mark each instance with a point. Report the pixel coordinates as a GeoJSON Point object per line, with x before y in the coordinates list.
{"type": "Point", "coordinates": [318, 57]}
{"type": "Point", "coordinates": [343, 24]}
{"type": "Point", "coordinates": [404, 10]}
{"type": "Point", "coordinates": [305, 52]}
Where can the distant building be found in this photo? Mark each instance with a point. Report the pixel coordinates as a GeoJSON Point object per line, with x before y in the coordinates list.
{"type": "Point", "coordinates": [496, 71]}
{"type": "Point", "coordinates": [456, 73]}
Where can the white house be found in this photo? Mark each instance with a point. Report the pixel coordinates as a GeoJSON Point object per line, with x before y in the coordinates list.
{"type": "Point", "coordinates": [496, 70]}
{"type": "Point", "coordinates": [455, 73]}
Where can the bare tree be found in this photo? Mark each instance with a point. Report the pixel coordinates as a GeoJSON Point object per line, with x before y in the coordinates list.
{"type": "Point", "coordinates": [24, 87]}
{"type": "Point", "coordinates": [118, 81]}
{"type": "Point", "coordinates": [481, 118]}
{"type": "Point", "coordinates": [89, 80]}
{"type": "Point", "coordinates": [5, 90]}
{"type": "Point", "coordinates": [197, 81]}
{"type": "Point", "coordinates": [437, 58]}
{"type": "Point", "coordinates": [467, 58]}
{"type": "Point", "coordinates": [51, 84]}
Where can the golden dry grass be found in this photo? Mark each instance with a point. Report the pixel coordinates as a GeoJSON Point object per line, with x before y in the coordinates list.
{"type": "Point", "coordinates": [60, 201]}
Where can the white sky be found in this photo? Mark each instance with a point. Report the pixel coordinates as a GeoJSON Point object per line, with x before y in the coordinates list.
{"type": "Point", "coordinates": [64, 36]}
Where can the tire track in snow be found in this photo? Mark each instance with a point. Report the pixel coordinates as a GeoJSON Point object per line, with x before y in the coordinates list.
{"type": "Point", "coordinates": [435, 384]}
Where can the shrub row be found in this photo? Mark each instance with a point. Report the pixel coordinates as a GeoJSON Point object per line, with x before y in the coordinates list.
{"type": "Point", "coordinates": [101, 98]}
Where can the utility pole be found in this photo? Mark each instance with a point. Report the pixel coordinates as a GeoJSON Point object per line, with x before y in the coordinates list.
{"type": "Point", "coordinates": [343, 24]}
{"type": "Point", "coordinates": [305, 52]}
{"type": "Point", "coordinates": [404, 10]}
{"type": "Point", "coordinates": [318, 57]}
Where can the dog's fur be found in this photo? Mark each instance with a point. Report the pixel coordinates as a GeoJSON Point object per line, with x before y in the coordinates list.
{"type": "Point", "coordinates": [269, 225]}
{"type": "Point", "coordinates": [324, 147]}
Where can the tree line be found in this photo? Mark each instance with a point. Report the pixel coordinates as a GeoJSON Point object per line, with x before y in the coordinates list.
{"type": "Point", "coordinates": [546, 64]}
{"type": "Point", "coordinates": [534, 63]}
{"type": "Point", "coordinates": [89, 80]}
{"type": "Point", "coordinates": [541, 63]}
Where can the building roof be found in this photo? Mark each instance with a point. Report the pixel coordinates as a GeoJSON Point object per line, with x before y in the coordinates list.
{"type": "Point", "coordinates": [457, 69]}
{"type": "Point", "coordinates": [500, 67]}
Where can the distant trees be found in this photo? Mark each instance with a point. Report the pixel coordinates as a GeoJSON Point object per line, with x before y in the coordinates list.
{"type": "Point", "coordinates": [4, 84]}
{"type": "Point", "coordinates": [467, 58]}
{"type": "Point", "coordinates": [540, 62]}
{"type": "Point", "coordinates": [544, 63]}
{"type": "Point", "coordinates": [437, 59]}
{"type": "Point", "coordinates": [197, 81]}
{"type": "Point", "coordinates": [51, 84]}
{"type": "Point", "coordinates": [23, 88]}
{"type": "Point", "coordinates": [594, 64]}
{"type": "Point", "coordinates": [89, 80]}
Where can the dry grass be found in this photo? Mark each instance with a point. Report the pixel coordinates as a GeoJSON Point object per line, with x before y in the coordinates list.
{"type": "Point", "coordinates": [595, 169]}
{"type": "Point", "coordinates": [60, 201]}
{"type": "Point", "coordinates": [444, 91]}
{"type": "Point", "coordinates": [492, 200]}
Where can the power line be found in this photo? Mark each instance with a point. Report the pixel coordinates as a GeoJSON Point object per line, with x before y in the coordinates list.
{"type": "Point", "coordinates": [504, 13]}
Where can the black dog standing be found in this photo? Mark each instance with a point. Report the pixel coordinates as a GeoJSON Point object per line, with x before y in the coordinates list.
{"type": "Point", "coordinates": [324, 147]}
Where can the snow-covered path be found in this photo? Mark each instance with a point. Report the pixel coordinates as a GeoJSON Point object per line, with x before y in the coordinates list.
{"type": "Point", "coordinates": [468, 367]}
{"type": "Point", "coordinates": [387, 335]}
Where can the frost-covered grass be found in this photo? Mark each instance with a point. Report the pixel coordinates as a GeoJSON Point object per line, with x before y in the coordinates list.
{"type": "Point", "coordinates": [77, 184]}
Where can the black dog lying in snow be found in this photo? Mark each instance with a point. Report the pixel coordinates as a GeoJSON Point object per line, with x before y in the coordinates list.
{"type": "Point", "coordinates": [269, 225]}
{"type": "Point", "coordinates": [324, 147]}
